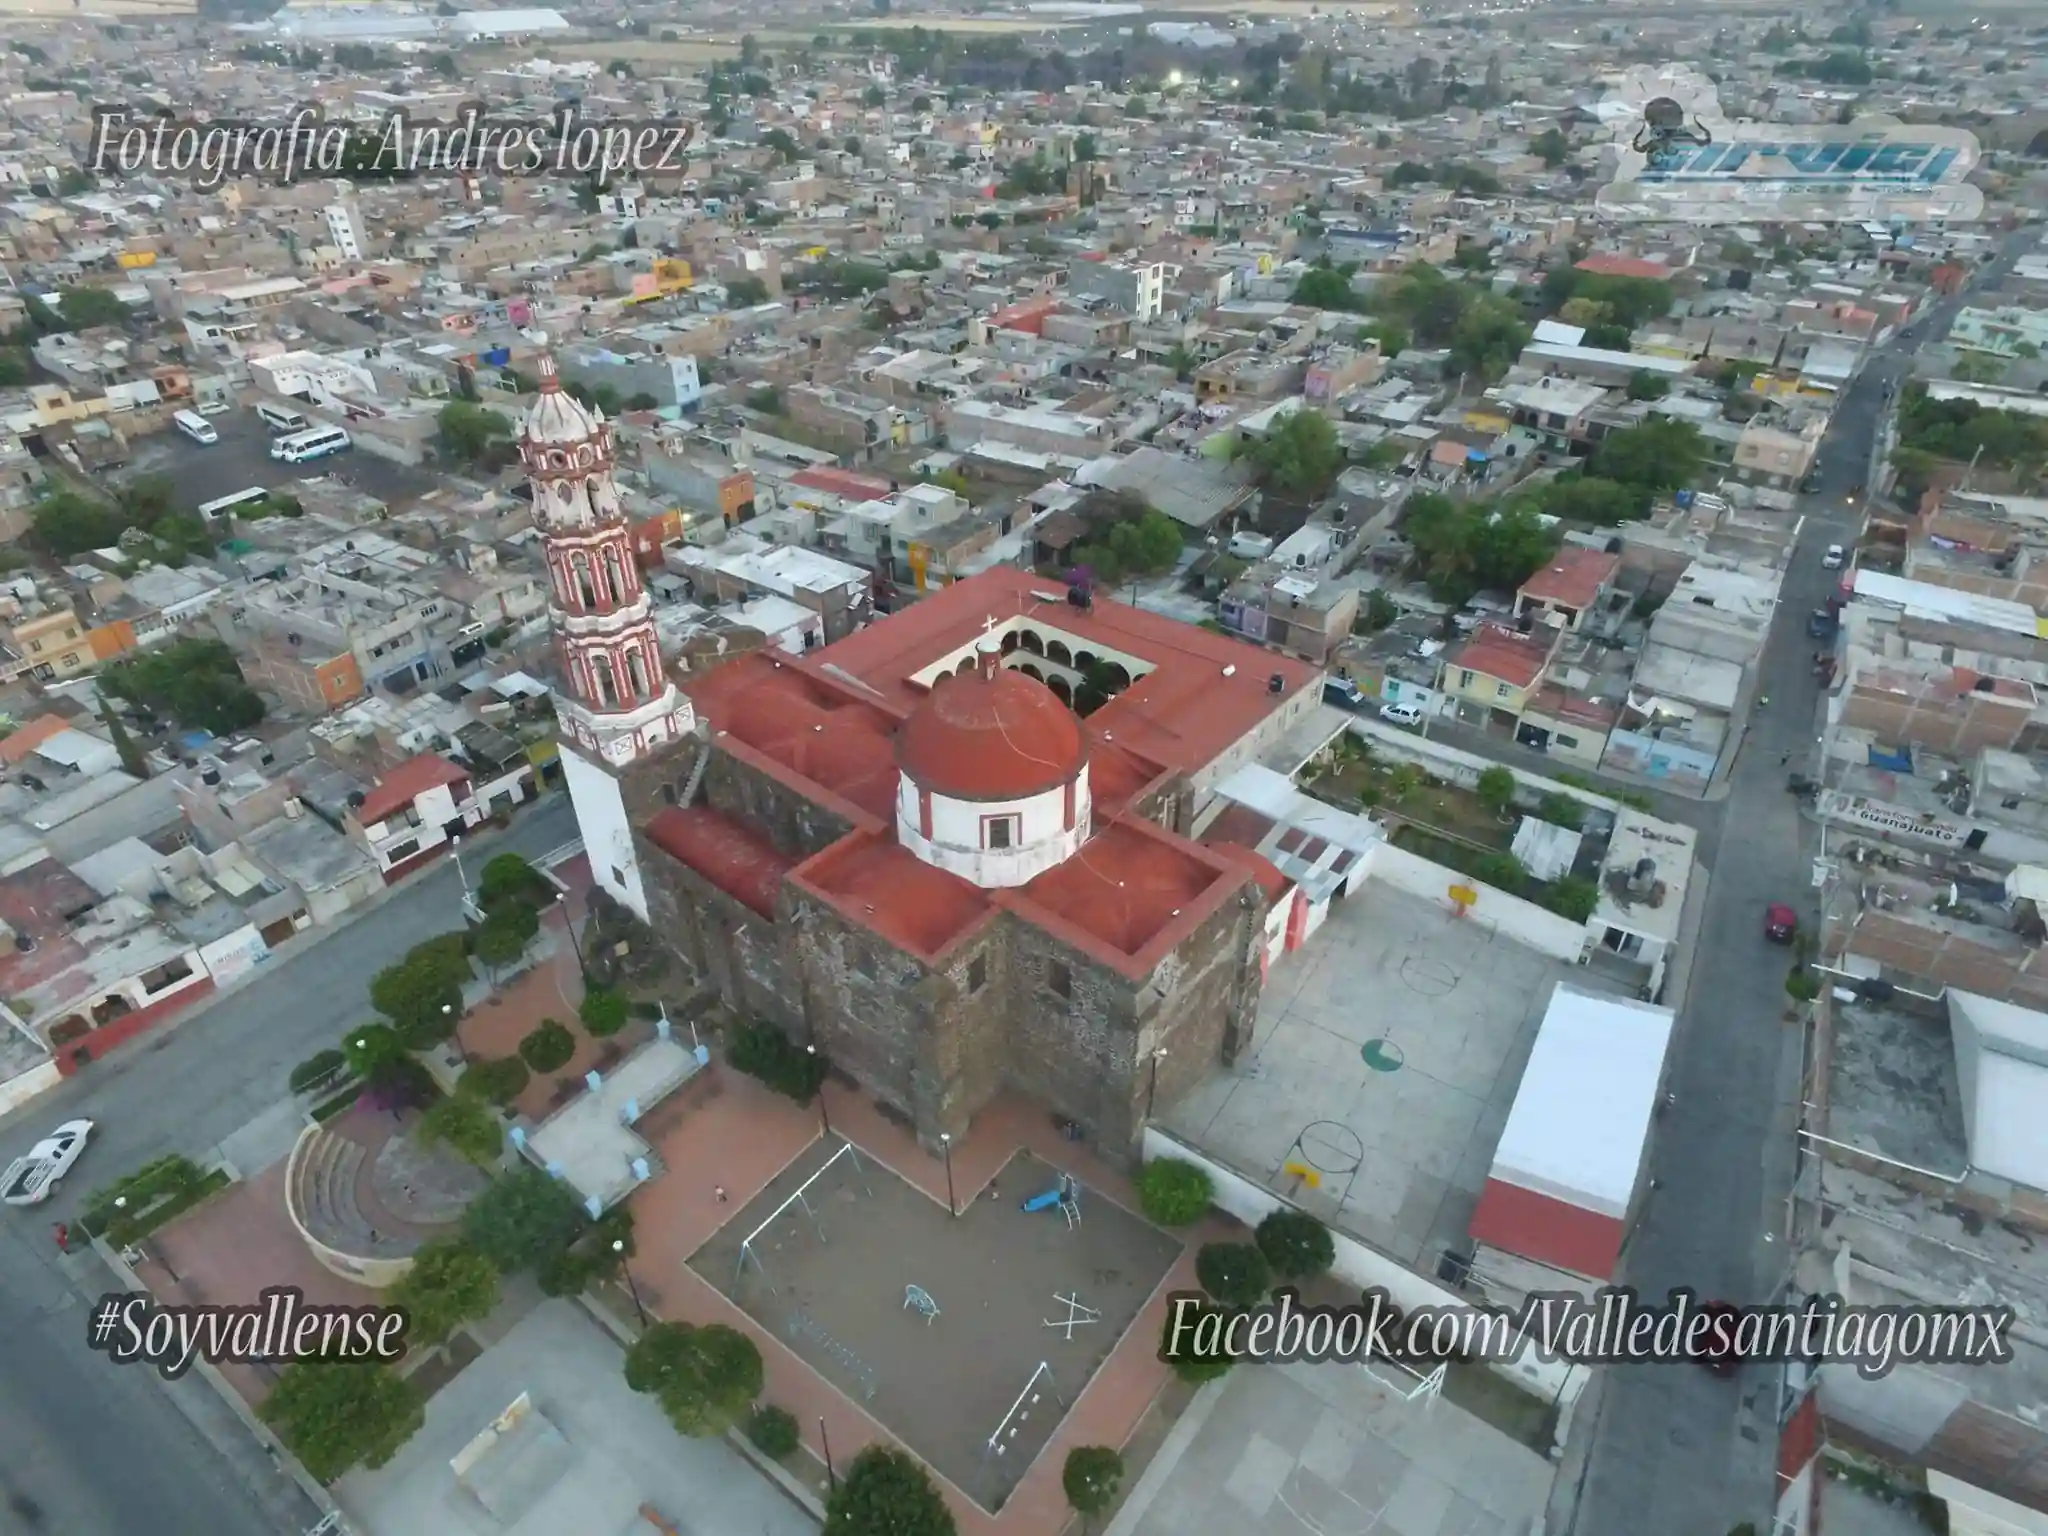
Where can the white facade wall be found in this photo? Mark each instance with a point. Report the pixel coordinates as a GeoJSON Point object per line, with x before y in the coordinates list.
{"type": "Point", "coordinates": [607, 835]}
{"type": "Point", "coordinates": [1523, 921]}
{"type": "Point", "coordinates": [1039, 835]}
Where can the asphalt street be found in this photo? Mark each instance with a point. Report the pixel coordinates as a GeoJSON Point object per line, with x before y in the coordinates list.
{"type": "Point", "coordinates": [1675, 1449]}
{"type": "Point", "coordinates": [92, 1449]}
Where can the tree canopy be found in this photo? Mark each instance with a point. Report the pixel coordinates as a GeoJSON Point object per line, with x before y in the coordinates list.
{"type": "Point", "coordinates": [1463, 548]}
{"type": "Point", "coordinates": [705, 1378]}
{"type": "Point", "coordinates": [449, 1284]}
{"type": "Point", "coordinates": [523, 1219]}
{"type": "Point", "coordinates": [885, 1493]}
{"type": "Point", "coordinates": [338, 1415]}
{"type": "Point", "coordinates": [1298, 456]}
{"type": "Point", "coordinates": [474, 435]}
{"type": "Point", "coordinates": [196, 682]}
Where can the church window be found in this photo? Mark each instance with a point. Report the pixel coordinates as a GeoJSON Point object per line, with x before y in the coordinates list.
{"type": "Point", "coordinates": [585, 589]}
{"type": "Point", "coordinates": [977, 973]}
{"type": "Point", "coordinates": [636, 670]}
{"type": "Point", "coordinates": [616, 575]}
{"type": "Point", "coordinates": [1059, 981]}
{"type": "Point", "coordinates": [1000, 832]}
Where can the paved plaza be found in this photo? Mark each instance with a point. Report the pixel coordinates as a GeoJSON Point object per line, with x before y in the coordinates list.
{"type": "Point", "coordinates": [1388, 1052]}
{"type": "Point", "coordinates": [832, 1276]}
{"type": "Point", "coordinates": [1325, 1450]}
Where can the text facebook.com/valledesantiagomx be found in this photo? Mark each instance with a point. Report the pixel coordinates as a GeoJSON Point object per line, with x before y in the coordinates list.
{"type": "Point", "coordinates": [308, 145]}
{"type": "Point", "coordinates": [1611, 1326]}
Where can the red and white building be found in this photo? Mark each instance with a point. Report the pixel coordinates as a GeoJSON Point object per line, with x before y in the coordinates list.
{"type": "Point", "coordinates": [1569, 1168]}
{"type": "Point", "coordinates": [412, 814]}
{"type": "Point", "coordinates": [615, 701]}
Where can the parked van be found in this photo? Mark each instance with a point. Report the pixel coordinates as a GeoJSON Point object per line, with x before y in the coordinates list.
{"type": "Point", "coordinates": [196, 427]}
{"type": "Point", "coordinates": [1401, 714]}
{"type": "Point", "coordinates": [305, 446]}
{"type": "Point", "coordinates": [280, 420]}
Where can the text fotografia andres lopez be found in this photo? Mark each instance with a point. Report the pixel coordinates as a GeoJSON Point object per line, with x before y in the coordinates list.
{"type": "Point", "coordinates": [127, 142]}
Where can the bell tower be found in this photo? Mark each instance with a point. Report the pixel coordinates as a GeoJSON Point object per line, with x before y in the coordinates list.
{"type": "Point", "coordinates": [613, 697]}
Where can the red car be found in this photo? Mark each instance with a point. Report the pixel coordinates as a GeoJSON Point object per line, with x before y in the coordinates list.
{"type": "Point", "coordinates": [1780, 923]}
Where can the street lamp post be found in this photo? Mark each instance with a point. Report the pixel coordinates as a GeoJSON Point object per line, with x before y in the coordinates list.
{"type": "Point", "coordinates": [946, 1146]}
{"type": "Point", "coordinates": [569, 921]}
{"type": "Point", "coordinates": [455, 843]}
{"type": "Point", "coordinates": [1152, 1080]}
{"type": "Point", "coordinates": [824, 1113]}
{"type": "Point", "coordinates": [831, 1472]}
{"type": "Point", "coordinates": [626, 1270]}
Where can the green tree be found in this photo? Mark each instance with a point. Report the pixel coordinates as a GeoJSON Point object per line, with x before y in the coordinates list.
{"type": "Point", "coordinates": [1174, 1193]}
{"type": "Point", "coordinates": [523, 1219]}
{"type": "Point", "coordinates": [705, 1378]}
{"type": "Point", "coordinates": [603, 1012]}
{"type": "Point", "coordinates": [1090, 1479]}
{"type": "Point", "coordinates": [449, 1284]}
{"type": "Point", "coordinates": [1660, 456]}
{"type": "Point", "coordinates": [1496, 789]}
{"type": "Point", "coordinates": [502, 938]}
{"type": "Point", "coordinates": [1551, 147]}
{"type": "Point", "coordinates": [773, 1431]}
{"type": "Point", "coordinates": [548, 1046]}
{"type": "Point", "coordinates": [196, 682]}
{"type": "Point", "coordinates": [744, 292]}
{"type": "Point", "coordinates": [1300, 456]}
{"type": "Point", "coordinates": [1327, 288]}
{"type": "Point", "coordinates": [1084, 148]}
{"type": "Point", "coordinates": [1296, 1245]}
{"type": "Point", "coordinates": [81, 309]}
{"type": "Point", "coordinates": [338, 1415]}
{"type": "Point", "coordinates": [371, 1046]}
{"type": "Point", "coordinates": [1561, 811]}
{"type": "Point", "coordinates": [886, 1493]}
{"type": "Point", "coordinates": [467, 1126]}
{"type": "Point", "coordinates": [1573, 898]}
{"type": "Point", "coordinates": [498, 1081]}
{"type": "Point", "coordinates": [1236, 1274]}
{"type": "Point", "coordinates": [66, 524]}
{"type": "Point", "coordinates": [876, 96]}
{"type": "Point", "coordinates": [1978, 368]}
{"type": "Point", "coordinates": [422, 994]}
{"type": "Point", "coordinates": [509, 880]}
{"type": "Point", "coordinates": [132, 761]}
{"type": "Point", "coordinates": [1644, 385]}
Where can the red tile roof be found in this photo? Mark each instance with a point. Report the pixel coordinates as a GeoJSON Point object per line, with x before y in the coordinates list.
{"type": "Point", "coordinates": [405, 784]}
{"type": "Point", "coordinates": [1517, 660]}
{"type": "Point", "coordinates": [1130, 886]}
{"type": "Point", "coordinates": [880, 884]}
{"type": "Point", "coordinates": [728, 855]}
{"type": "Point", "coordinates": [27, 738]}
{"type": "Point", "coordinates": [1255, 864]}
{"type": "Point", "coordinates": [1548, 1230]}
{"type": "Point", "coordinates": [1182, 715]}
{"type": "Point", "coordinates": [841, 482]}
{"type": "Point", "coordinates": [809, 727]}
{"type": "Point", "coordinates": [1001, 737]}
{"type": "Point", "coordinates": [1573, 578]}
{"type": "Point", "coordinates": [38, 903]}
{"type": "Point", "coordinates": [1606, 264]}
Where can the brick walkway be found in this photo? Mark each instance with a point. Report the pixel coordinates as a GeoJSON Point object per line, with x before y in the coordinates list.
{"type": "Point", "coordinates": [232, 1248]}
{"type": "Point", "coordinates": [728, 1131]}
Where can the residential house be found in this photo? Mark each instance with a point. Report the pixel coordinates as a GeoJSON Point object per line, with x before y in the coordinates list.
{"type": "Point", "coordinates": [1495, 672]}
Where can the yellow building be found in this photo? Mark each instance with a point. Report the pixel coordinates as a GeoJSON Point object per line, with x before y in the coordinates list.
{"type": "Point", "coordinates": [51, 646]}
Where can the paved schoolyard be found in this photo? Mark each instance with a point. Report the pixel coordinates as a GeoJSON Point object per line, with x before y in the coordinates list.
{"type": "Point", "coordinates": [1325, 1450]}
{"type": "Point", "coordinates": [612, 1452]}
{"type": "Point", "coordinates": [832, 1281]}
{"type": "Point", "coordinates": [1388, 1052]}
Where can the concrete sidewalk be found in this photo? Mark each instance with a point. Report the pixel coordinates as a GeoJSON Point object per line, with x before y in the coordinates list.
{"type": "Point", "coordinates": [1279, 1450]}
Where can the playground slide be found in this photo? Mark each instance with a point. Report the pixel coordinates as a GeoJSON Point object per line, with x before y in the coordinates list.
{"type": "Point", "coordinates": [1044, 1202]}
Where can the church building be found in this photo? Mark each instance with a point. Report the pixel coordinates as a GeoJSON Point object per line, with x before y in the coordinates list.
{"type": "Point", "coordinates": [951, 850]}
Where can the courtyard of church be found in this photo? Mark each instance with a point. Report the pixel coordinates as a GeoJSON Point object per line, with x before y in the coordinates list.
{"type": "Point", "coordinates": [968, 1336]}
{"type": "Point", "coordinates": [840, 1348]}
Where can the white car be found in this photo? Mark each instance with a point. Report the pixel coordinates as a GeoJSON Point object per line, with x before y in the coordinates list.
{"type": "Point", "coordinates": [1832, 560]}
{"type": "Point", "coordinates": [32, 1178]}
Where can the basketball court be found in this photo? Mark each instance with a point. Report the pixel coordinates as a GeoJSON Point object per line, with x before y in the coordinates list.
{"type": "Point", "coordinates": [968, 1337]}
{"type": "Point", "coordinates": [1388, 1052]}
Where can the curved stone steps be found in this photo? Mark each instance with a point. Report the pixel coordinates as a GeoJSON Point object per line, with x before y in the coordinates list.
{"type": "Point", "coordinates": [326, 1196]}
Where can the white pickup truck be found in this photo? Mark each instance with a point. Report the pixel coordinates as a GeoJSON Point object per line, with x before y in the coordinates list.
{"type": "Point", "coordinates": [32, 1178]}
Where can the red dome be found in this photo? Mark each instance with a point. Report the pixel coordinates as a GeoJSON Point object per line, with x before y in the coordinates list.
{"type": "Point", "coordinates": [991, 738]}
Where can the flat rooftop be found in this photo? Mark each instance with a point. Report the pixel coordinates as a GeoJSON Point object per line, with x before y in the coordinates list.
{"type": "Point", "coordinates": [1892, 1088]}
{"type": "Point", "coordinates": [612, 1450]}
{"type": "Point", "coordinates": [1393, 1042]}
{"type": "Point", "coordinates": [591, 1139]}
